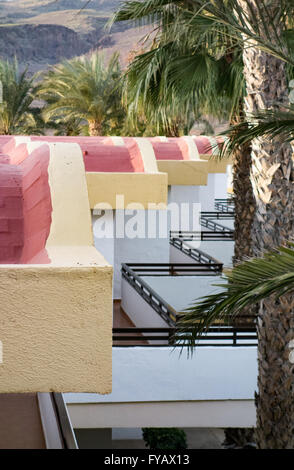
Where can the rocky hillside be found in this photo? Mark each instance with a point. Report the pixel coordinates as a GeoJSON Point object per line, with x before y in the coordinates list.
{"type": "Point", "coordinates": [33, 43]}
{"type": "Point", "coordinates": [41, 32]}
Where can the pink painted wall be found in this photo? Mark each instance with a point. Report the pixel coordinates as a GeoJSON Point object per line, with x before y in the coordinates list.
{"type": "Point", "coordinates": [3, 140]}
{"type": "Point", "coordinates": [25, 204]}
{"type": "Point", "coordinates": [11, 213]}
{"type": "Point", "coordinates": [204, 145]}
{"type": "Point", "coordinates": [173, 149]}
{"type": "Point", "coordinates": [25, 200]}
{"type": "Point", "coordinates": [101, 155]}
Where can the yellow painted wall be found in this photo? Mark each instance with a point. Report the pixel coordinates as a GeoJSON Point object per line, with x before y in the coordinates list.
{"type": "Point", "coordinates": [185, 172]}
{"type": "Point", "coordinates": [215, 165]}
{"type": "Point", "coordinates": [56, 329]}
{"type": "Point", "coordinates": [142, 188]}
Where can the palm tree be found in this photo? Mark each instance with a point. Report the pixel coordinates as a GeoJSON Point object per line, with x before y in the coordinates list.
{"type": "Point", "coordinates": [85, 89]}
{"type": "Point", "coordinates": [18, 91]}
{"type": "Point", "coordinates": [187, 74]}
{"type": "Point", "coordinates": [272, 179]}
{"type": "Point", "coordinates": [269, 279]}
{"type": "Point", "coordinates": [260, 28]}
{"type": "Point", "coordinates": [146, 97]}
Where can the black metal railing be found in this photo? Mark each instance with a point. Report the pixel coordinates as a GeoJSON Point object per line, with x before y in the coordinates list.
{"type": "Point", "coordinates": [133, 273]}
{"type": "Point", "coordinates": [215, 235]}
{"type": "Point", "coordinates": [218, 215]}
{"type": "Point", "coordinates": [196, 254]}
{"type": "Point", "coordinates": [217, 335]}
{"type": "Point", "coordinates": [215, 227]}
{"type": "Point", "coordinates": [170, 269]}
{"type": "Point", "coordinates": [224, 205]}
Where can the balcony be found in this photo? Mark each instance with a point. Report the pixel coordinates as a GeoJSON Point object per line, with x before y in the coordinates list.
{"type": "Point", "coordinates": [155, 385]}
{"type": "Point", "coordinates": [218, 221]}
{"type": "Point", "coordinates": [160, 386]}
{"type": "Point", "coordinates": [216, 240]}
{"type": "Point", "coordinates": [224, 205]}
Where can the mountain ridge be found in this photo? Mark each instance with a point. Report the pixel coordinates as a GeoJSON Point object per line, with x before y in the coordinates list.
{"type": "Point", "coordinates": [45, 32]}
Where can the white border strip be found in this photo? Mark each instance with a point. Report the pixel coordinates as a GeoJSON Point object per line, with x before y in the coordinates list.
{"type": "Point", "coordinates": [147, 154]}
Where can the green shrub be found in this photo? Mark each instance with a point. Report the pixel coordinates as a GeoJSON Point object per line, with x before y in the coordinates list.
{"type": "Point", "coordinates": [165, 438]}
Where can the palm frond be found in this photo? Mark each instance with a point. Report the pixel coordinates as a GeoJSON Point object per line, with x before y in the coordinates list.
{"type": "Point", "coordinates": [204, 39]}
{"type": "Point", "coordinates": [84, 88]}
{"type": "Point", "coordinates": [275, 124]}
{"type": "Point", "coordinates": [148, 11]}
{"type": "Point", "coordinates": [243, 286]}
{"type": "Point", "coordinates": [18, 93]}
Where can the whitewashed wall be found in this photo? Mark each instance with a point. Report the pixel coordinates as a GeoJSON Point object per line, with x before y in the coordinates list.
{"type": "Point", "coordinates": [212, 373]}
{"type": "Point", "coordinates": [222, 250]}
{"type": "Point", "coordinates": [149, 245]}
{"type": "Point", "coordinates": [138, 310]}
{"type": "Point", "coordinates": [182, 291]}
{"type": "Point", "coordinates": [206, 196]}
{"type": "Point", "coordinates": [190, 195]}
{"type": "Point", "coordinates": [216, 188]}
{"type": "Point", "coordinates": [220, 184]}
{"type": "Point", "coordinates": [104, 245]}
{"type": "Point", "coordinates": [141, 250]}
{"type": "Point", "coordinates": [159, 387]}
{"type": "Point", "coordinates": [177, 256]}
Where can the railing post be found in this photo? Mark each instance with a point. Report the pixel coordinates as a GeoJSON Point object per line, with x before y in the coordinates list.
{"type": "Point", "coordinates": [234, 337]}
{"type": "Point", "coordinates": [171, 333]}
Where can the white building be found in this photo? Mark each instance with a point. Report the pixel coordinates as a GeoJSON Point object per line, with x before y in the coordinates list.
{"type": "Point", "coordinates": [162, 264]}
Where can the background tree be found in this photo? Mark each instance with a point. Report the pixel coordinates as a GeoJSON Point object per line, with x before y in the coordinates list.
{"type": "Point", "coordinates": [18, 91]}
{"type": "Point", "coordinates": [165, 438]}
{"type": "Point", "coordinates": [85, 90]}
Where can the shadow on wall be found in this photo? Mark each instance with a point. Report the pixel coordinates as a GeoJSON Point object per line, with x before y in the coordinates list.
{"type": "Point", "coordinates": [131, 438]}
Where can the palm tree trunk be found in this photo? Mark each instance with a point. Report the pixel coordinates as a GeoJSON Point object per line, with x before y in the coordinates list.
{"type": "Point", "coordinates": [244, 202]}
{"type": "Point", "coordinates": [95, 128]}
{"type": "Point", "coordinates": [272, 179]}
{"type": "Point", "coordinates": [242, 438]}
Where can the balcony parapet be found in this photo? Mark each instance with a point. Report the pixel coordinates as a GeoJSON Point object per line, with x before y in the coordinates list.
{"type": "Point", "coordinates": [225, 205]}
{"type": "Point", "coordinates": [204, 235]}
{"type": "Point", "coordinates": [134, 274]}
{"type": "Point", "coordinates": [222, 334]}
{"type": "Point", "coordinates": [56, 297]}
{"type": "Point", "coordinates": [198, 255]}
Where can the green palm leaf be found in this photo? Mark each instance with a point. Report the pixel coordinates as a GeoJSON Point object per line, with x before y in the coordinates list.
{"type": "Point", "coordinates": [17, 114]}
{"type": "Point", "coordinates": [275, 124]}
{"type": "Point", "coordinates": [87, 90]}
{"type": "Point", "coordinates": [243, 286]}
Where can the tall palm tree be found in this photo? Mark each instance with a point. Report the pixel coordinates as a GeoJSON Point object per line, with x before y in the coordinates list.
{"type": "Point", "coordinates": [85, 89]}
{"type": "Point", "coordinates": [188, 72]}
{"type": "Point", "coordinates": [272, 178]}
{"type": "Point", "coordinates": [18, 91]}
{"type": "Point", "coordinates": [259, 27]}
{"type": "Point", "coordinates": [269, 279]}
